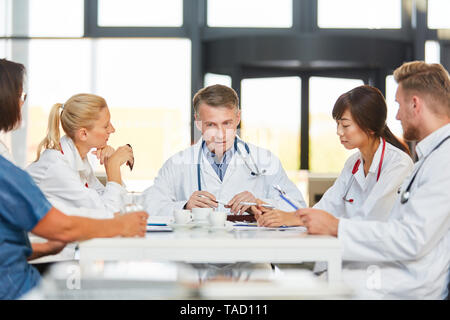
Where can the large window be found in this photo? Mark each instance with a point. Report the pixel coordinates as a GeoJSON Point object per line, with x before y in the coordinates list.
{"type": "Point", "coordinates": [432, 55]}
{"type": "Point", "coordinates": [147, 85]}
{"type": "Point", "coordinates": [369, 14]}
{"type": "Point", "coordinates": [271, 117]}
{"type": "Point", "coordinates": [438, 11]}
{"type": "Point", "coordinates": [213, 78]}
{"type": "Point", "coordinates": [393, 124]}
{"type": "Point", "coordinates": [5, 18]}
{"type": "Point", "coordinates": [3, 49]}
{"type": "Point", "coordinates": [250, 13]}
{"type": "Point", "coordinates": [432, 52]}
{"type": "Point", "coordinates": [140, 13]}
{"type": "Point", "coordinates": [55, 18]}
{"type": "Point", "coordinates": [326, 152]}
{"type": "Point", "coordinates": [144, 81]}
{"type": "Point", "coordinates": [55, 71]}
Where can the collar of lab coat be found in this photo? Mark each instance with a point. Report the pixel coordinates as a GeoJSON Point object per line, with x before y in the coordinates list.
{"type": "Point", "coordinates": [226, 158]}
{"type": "Point", "coordinates": [72, 156]}
{"type": "Point", "coordinates": [359, 175]}
{"type": "Point", "coordinates": [377, 157]}
{"type": "Point", "coordinates": [262, 157]}
{"type": "Point", "coordinates": [209, 170]}
{"type": "Point", "coordinates": [427, 144]}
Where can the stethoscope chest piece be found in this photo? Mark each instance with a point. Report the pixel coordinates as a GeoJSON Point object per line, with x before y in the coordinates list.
{"type": "Point", "coordinates": [405, 197]}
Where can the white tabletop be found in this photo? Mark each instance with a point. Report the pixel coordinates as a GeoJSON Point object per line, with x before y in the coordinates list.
{"type": "Point", "coordinates": [203, 245]}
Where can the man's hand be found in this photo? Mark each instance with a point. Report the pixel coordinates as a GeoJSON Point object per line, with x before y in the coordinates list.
{"type": "Point", "coordinates": [318, 221]}
{"type": "Point", "coordinates": [278, 218]}
{"type": "Point", "coordinates": [235, 205]}
{"type": "Point", "coordinates": [201, 199]}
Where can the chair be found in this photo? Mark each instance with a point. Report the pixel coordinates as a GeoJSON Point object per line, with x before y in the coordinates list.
{"type": "Point", "coordinates": [318, 184]}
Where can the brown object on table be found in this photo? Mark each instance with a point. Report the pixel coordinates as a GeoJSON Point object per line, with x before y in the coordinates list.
{"type": "Point", "coordinates": [241, 217]}
{"type": "Point", "coordinates": [130, 164]}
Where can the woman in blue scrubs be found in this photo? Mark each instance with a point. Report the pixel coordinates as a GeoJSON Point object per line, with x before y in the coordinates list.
{"type": "Point", "coordinates": [23, 207]}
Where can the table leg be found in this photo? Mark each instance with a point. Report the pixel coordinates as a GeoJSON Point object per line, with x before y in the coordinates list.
{"type": "Point", "coordinates": [334, 269]}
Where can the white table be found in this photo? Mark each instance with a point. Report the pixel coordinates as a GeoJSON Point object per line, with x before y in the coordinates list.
{"type": "Point", "coordinates": [201, 245]}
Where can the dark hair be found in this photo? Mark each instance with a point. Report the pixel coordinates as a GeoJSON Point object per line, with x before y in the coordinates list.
{"type": "Point", "coordinates": [11, 86]}
{"type": "Point", "coordinates": [217, 96]}
{"type": "Point", "coordinates": [368, 108]}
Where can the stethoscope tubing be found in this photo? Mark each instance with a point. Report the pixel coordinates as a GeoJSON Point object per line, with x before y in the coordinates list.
{"type": "Point", "coordinates": [247, 149]}
{"type": "Point", "coordinates": [404, 197]}
{"type": "Point", "coordinates": [355, 169]}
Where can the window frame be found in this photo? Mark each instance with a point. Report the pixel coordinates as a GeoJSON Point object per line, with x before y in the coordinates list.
{"type": "Point", "coordinates": [414, 31]}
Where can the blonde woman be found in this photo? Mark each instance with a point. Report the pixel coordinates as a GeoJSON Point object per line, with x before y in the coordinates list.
{"type": "Point", "coordinates": [63, 171]}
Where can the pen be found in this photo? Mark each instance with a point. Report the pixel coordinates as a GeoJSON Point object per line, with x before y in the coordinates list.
{"type": "Point", "coordinates": [288, 201]}
{"type": "Point", "coordinates": [284, 197]}
{"type": "Point", "coordinates": [156, 224]}
{"type": "Point", "coordinates": [216, 201]}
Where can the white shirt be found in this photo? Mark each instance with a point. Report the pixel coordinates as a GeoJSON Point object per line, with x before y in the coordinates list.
{"type": "Point", "coordinates": [178, 179]}
{"type": "Point", "coordinates": [372, 199]}
{"type": "Point", "coordinates": [4, 152]}
{"type": "Point", "coordinates": [410, 252]}
{"type": "Point", "coordinates": [69, 182]}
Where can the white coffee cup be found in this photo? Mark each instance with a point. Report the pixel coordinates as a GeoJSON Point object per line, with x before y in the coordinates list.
{"type": "Point", "coordinates": [182, 216]}
{"type": "Point", "coordinates": [201, 214]}
{"type": "Point", "coordinates": [217, 219]}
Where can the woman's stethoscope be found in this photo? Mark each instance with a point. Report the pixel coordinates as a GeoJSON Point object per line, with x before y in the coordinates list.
{"type": "Point", "coordinates": [355, 169]}
{"type": "Point", "coordinates": [406, 193]}
{"type": "Point", "coordinates": [255, 173]}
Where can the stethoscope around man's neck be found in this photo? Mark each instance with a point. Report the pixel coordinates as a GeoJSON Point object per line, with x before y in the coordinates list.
{"type": "Point", "coordinates": [406, 193]}
{"type": "Point", "coordinates": [256, 172]}
{"type": "Point", "coordinates": [355, 169]}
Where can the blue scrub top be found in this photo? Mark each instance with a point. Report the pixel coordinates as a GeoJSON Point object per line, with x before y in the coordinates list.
{"type": "Point", "coordinates": [22, 206]}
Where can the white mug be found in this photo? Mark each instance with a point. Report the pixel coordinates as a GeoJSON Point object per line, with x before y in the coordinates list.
{"type": "Point", "coordinates": [217, 219]}
{"type": "Point", "coordinates": [182, 216]}
{"type": "Point", "coordinates": [201, 214]}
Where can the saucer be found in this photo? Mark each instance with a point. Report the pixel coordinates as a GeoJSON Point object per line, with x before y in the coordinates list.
{"type": "Point", "coordinates": [200, 223]}
{"type": "Point", "coordinates": [224, 228]}
{"type": "Point", "coordinates": [181, 225]}
{"type": "Point", "coordinates": [228, 227]}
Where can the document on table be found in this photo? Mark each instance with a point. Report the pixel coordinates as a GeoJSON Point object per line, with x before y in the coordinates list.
{"type": "Point", "coordinates": [158, 228]}
{"type": "Point", "coordinates": [160, 220]}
